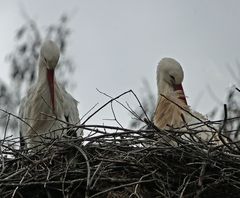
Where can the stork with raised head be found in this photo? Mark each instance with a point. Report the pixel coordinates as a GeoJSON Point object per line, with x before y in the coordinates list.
{"type": "Point", "coordinates": [47, 106]}
{"type": "Point", "coordinates": [172, 109]}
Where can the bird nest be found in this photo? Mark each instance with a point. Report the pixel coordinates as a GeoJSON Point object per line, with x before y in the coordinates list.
{"type": "Point", "coordinates": [118, 162]}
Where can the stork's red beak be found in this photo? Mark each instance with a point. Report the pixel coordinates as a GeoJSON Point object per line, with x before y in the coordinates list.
{"type": "Point", "coordinates": [179, 87]}
{"type": "Point", "coordinates": [50, 77]}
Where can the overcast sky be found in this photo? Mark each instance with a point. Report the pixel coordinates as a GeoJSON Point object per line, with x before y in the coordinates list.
{"type": "Point", "coordinates": [116, 44]}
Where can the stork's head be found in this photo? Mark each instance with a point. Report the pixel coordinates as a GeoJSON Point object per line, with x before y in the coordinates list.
{"type": "Point", "coordinates": [49, 54]}
{"type": "Point", "coordinates": [170, 72]}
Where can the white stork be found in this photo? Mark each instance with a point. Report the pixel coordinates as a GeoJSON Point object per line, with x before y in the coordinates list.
{"type": "Point", "coordinates": [46, 102]}
{"type": "Point", "coordinates": [172, 109]}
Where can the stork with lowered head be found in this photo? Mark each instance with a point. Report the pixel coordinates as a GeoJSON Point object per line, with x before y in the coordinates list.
{"type": "Point", "coordinates": [47, 107]}
{"type": "Point", "coordinates": [172, 110]}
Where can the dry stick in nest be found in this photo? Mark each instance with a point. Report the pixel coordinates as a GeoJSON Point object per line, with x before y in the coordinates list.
{"type": "Point", "coordinates": [15, 190]}
{"type": "Point", "coordinates": [105, 105]}
{"type": "Point", "coordinates": [125, 132]}
{"type": "Point", "coordinates": [19, 118]}
{"type": "Point", "coordinates": [88, 111]}
{"type": "Point", "coordinates": [17, 153]}
{"type": "Point", "coordinates": [88, 168]}
{"type": "Point", "coordinates": [122, 186]}
{"type": "Point", "coordinates": [137, 185]}
{"type": "Point", "coordinates": [103, 134]}
{"type": "Point", "coordinates": [141, 106]}
{"type": "Point", "coordinates": [114, 115]}
{"type": "Point", "coordinates": [130, 109]}
{"type": "Point", "coordinates": [93, 176]}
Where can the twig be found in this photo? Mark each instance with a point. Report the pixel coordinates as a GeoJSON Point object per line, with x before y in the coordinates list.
{"type": "Point", "coordinates": [105, 105]}
{"type": "Point", "coordinates": [121, 186]}
{"type": "Point", "coordinates": [15, 190]}
{"type": "Point", "coordinates": [204, 123]}
{"type": "Point", "coordinates": [88, 168]}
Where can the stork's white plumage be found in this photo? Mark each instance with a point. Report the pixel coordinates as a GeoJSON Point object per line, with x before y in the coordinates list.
{"type": "Point", "coordinates": [47, 100]}
{"type": "Point", "coordinates": [172, 109]}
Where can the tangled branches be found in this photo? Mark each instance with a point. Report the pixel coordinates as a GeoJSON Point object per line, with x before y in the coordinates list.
{"type": "Point", "coordinates": [117, 162]}
{"type": "Point", "coordinates": [120, 163]}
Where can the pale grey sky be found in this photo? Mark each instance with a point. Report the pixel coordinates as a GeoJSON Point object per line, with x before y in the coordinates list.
{"type": "Point", "coordinates": [115, 44]}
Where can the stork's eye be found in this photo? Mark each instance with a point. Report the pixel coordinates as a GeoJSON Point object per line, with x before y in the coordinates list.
{"type": "Point", "coordinates": [172, 77]}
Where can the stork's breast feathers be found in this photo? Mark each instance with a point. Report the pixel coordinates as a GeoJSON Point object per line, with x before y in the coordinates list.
{"type": "Point", "coordinates": [173, 112]}
{"type": "Point", "coordinates": [169, 110]}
